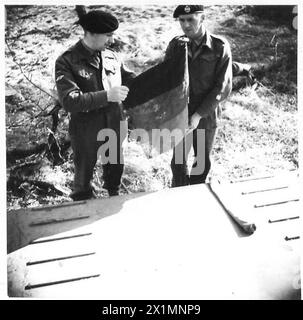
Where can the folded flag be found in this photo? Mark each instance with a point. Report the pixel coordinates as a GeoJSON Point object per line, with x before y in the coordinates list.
{"type": "Point", "coordinates": [235, 207]}
{"type": "Point", "coordinates": [157, 103]}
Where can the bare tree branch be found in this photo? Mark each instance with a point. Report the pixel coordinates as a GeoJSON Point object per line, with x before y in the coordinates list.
{"type": "Point", "coordinates": [28, 78]}
{"type": "Point", "coordinates": [81, 10]}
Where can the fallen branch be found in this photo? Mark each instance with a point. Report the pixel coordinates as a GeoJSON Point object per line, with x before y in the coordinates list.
{"type": "Point", "coordinates": [263, 86]}
{"type": "Point", "coordinates": [125, 188]}
{"type": "Point", "coordinates": [25, 169]}
{"type": "Point", "coordinates": [81, 10]}
{"type": "Point", "coordinates": [54, 113]}
{"type": "Point", "coordinates": [55, 149]}
{"type": "Point", "coordinates": [16, 154]}
{"type": "Point", "coordinates": [14, 183]}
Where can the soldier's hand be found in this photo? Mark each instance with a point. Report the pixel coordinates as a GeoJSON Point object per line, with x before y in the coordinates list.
{"type": "Point", "coordinates": [117, 94]}
{"type": "Point", "coordinates": [194, 121]}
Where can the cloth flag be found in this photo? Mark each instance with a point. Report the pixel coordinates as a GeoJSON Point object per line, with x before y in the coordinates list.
{"type": "Point", "coordinates": [157, 103]}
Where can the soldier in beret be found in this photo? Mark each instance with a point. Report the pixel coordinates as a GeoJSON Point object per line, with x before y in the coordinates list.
{"type": "Point", "coordinates": [91, 84]}
{"type": "Point", "coordinates": [210, 82]}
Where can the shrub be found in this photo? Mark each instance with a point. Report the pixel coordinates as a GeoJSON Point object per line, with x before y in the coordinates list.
{"type": "Point", "coordinates": [282, 14]}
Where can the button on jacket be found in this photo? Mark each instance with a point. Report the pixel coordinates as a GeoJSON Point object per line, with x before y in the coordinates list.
{"type": "Point", "coordinates": [210, 74]}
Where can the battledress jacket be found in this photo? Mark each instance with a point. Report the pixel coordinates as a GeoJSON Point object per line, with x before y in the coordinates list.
{"type": "Point", "coordinates": [82, 79]}
{"type": "Point", "coordinates": [210, 75]}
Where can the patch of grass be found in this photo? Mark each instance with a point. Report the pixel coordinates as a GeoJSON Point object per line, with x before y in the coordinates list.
{"type": "Point", "coordinates": [256, 136]}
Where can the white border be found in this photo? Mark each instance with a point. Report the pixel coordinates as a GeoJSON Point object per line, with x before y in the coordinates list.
{"type": "Point", "coordinates": [3, 259]}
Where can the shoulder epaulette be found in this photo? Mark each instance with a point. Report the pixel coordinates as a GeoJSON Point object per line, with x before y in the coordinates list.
{"type": "Point", "coordinates": [220, 38]}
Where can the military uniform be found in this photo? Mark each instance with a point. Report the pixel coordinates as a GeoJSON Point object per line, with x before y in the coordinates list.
{"type": "Point", "coordinates": [210, 82]}
{"type": "Point", "coordinates": [82, 78]}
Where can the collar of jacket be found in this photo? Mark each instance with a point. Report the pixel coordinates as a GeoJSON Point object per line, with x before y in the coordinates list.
{"type": "Point", "coordinates": [206, 42]}
{"type": "Point", "coordinates": [89, 56]}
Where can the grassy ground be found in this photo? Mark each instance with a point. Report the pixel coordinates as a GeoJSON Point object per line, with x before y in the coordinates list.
{"type": "Point", "coordinates": [258, 132]}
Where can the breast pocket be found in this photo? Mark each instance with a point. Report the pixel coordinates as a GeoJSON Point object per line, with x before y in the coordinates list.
{"type": "Point", "coordinates": [204, 71]}
{"type": "Point", "coordinates": [86, 79]}
{"type": "Point", "coordinates": [207, 65]}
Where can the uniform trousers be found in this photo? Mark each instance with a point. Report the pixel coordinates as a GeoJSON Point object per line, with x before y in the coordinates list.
{"type": "Point", "coordinates": [201, 140]}
{"type": "Point", "coordinates": [84, 129]}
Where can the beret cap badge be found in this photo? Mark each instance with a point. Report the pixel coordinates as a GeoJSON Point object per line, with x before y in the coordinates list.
{"type": "Point", "coordinates": [187, 9]}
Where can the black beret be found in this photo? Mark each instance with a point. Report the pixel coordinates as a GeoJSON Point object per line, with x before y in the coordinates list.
{"type": "Point", "coordinates": [187, 9]}
{"type": "Point", "coordinates": [97, 21]}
